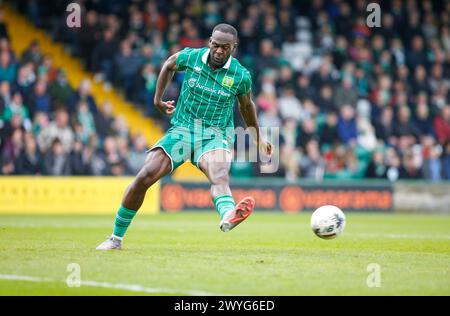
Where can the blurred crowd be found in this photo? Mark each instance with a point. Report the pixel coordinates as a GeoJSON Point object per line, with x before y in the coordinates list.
{"type": "Point", "coordinates": [351, 101]}
{"type": "Point", "coordinates": [48, 128]}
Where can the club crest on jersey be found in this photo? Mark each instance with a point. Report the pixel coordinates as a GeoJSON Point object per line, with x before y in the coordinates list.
{"type": "Point", "coordinates": [227, 82]}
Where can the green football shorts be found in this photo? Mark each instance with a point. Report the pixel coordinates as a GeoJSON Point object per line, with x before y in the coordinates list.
{"type": "Point", "coordinates": [181, 144]}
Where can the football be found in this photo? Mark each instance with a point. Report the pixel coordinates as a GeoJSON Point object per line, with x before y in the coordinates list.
{"type": "Point", "coordinates": [328, 221]}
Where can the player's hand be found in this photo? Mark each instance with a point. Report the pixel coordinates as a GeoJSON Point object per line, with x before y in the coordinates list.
{"type": "Point", "coordinates": [165, 107]}
{"type": "Point", "coordinates": [266, 147]}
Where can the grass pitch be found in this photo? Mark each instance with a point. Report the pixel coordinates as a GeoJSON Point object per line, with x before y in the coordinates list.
{"type": "Point", "coordinates": [186, 254]}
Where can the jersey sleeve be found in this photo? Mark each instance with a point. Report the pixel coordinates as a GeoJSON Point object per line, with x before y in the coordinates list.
{"type": "Point", "coordinates": [246, 84]}
{"type": "Point", "coordinates": [183, 57]}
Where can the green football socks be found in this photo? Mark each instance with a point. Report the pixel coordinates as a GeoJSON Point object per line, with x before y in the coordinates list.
{"type": "Point", "coordinates": [123, 220]}
{"type": "Point", "coordinates": [224, 203]}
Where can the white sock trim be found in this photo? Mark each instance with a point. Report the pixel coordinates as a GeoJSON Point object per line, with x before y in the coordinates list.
{"type": "Point", "coordinates": [117, 237]}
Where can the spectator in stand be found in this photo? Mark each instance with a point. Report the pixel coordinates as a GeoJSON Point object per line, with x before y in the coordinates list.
{"type": "Point", "coordinates": [247, 36]}
{"type": "Point", "coordinates": [285, 78]}
{"type": "Point", "coordinates": [84, 94]}
{"type": "Point", "coordinates": [11, 151]}
{"type": "Point", "coordinates": [304, 90]}
{"type": "Point", "coordinates": [110, 157]}
{"type": "Point", "coordinates": [46, 71]}
{"type": "Point", "coordinates": [308, 132]}
{"type": "Point", "coordinates": [40, 122]}
{"type": "Point", "coordinates": [445, 37]}
{"type": "Point", "coordinates": [289, 133]}
{"type": "Point", "coordinates": [410, 167]}
{"type": "Point", "coordinates": [416, 56]}
{"type": "Point", "coordinates": [325, 100]}
{"type": "Point", "coordinates": [270, 29]}
{"type": "Point", "coordinates": [159, 50]}
{"type": "Point", "coordinates": [420, 81]}
{"type": "Point", "coordinates": [137, 154]}
{"type": "Point", "coordinates": [191, 38]}
{"type": "Point", "coordinates": [401, 99]}
{"type": "Point", "coordinates": [442, 125]}
{"type": "Point", "coordinates": [446, 161]}
{"type": "Point", "coordinates": [347, 125]}
{"type": "Point", "coordinates": [7, 67]}
{"type": "Point", "coordinates": [324, 75]}
{"type": "Point", "coordinates": [346, 94]}
{"type": "Point", "coordinates": [104, 120]}
{"type": "Point", "coordinates": [393, 164]}
{"type": "Point", "coordinates": [432, 167]}
{"type": "Point", "coordinates": [30, 160]}
{"type": "Point", "coordinates": [127, 65]}
{"type": "Point", "coordinates": [422, 121]}
{"type": "Point", "coordinates": [89, 35]}
{"type": "Point", "coordinates": [329, 133]}
{"type": "Point", "coordinates": [25, 78]}
{"type": "Point", "coordinates": [16, 107]}
{"type": "Point", "coordinates": [56, 161]}
{"type": "Point", "coordinates": [266, 58]}
{"type": "Point", "coordinates": [404, 127]}
{"type": "Point", "coordinates": [58, 129]}
{"type": "Point", "coordinates": [78, 163]}
{"type": "Point", "coordinates": [290, 162]}
{"type": "Point", "coordinates": [147, 88]}
{"type": "Point", "coordinates": [384, 126]}
{"type": "Point", "coordinates": [312, 164]}
{"type": "Point", "coordinates": [366, 134]}
{"type": "Point", "coordinates": [5, 95]}
{"type": "Point", "coordinates": [103, 56]}
{"type": "Point", "coordinates": [32, 54]}
{"type": "Point", "coordinates": [86, 119]}
{"type": "Point", "coordinates": [120, 127]}
{"type": "Point", "coordinates": [377, 167]}
{"type": "Point", "coordinates": [40, 99]}
{"type": "Point", "coordinates": [5, 46]}
{"type": "Point", "coordinates": [269, 118]}
{"type": "Point", "coordinates": [289, 105]}
{"type": "Point", "coordinates": [60, 90]}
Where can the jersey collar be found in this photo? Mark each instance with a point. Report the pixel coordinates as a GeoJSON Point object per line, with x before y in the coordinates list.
{"type": "Point", "coordinates": [205, 59]}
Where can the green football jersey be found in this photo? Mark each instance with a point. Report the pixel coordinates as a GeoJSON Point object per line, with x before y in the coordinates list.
{"type": "Point", "coordinates": [208, 95]}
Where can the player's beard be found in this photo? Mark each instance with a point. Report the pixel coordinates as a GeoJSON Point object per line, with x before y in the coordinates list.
{"type": "Point", "coordinates": [218, 63]}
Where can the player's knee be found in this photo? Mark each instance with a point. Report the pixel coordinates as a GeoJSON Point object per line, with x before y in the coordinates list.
{"type": "Point", "coordinates": [141, 183]}
{"type": "Point", "coordinates": [154, 168]}
{"type": "Point", "coordinates": [220, 175]}
{"type": "Point", "coordinates": [145, 178]}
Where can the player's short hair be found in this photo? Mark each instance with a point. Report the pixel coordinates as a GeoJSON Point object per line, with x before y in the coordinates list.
{"type": "Point", "coordinates": [226, 28]}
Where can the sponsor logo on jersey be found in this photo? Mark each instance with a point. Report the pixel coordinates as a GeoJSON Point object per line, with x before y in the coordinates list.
{"type": "Point", "coordinates": [191, 82]}
{"type": "Point", "coordinates": [210, 90]}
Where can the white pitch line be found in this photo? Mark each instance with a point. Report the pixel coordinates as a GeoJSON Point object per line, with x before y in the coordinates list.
{"type": "Point", "coordinates": [107, 285]}
{"type": "Point", "coordinates": [14, 277]}
{"type": "Point", "coordinates": [401, 236]}
{"type": "Point", "coordinates": [140, 288]}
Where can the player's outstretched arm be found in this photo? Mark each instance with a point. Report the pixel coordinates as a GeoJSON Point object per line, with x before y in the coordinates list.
{"type": "Point", "coordinates": [248, 111]}
{"type": "Point", "coordinates": [165, 76]}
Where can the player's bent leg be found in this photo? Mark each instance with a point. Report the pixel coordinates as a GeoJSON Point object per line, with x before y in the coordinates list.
{"type": "Point", "coordinates": [216, 166]}
{"type": "Point", "coordinates": [157, 165]}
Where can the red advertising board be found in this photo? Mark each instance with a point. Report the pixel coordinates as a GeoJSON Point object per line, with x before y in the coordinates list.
{"type": "Point", "coordinates": [290, 198]}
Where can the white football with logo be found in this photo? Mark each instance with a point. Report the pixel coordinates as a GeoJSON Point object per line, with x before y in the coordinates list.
{"type": "Point", "coordinates": [328, 221]}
